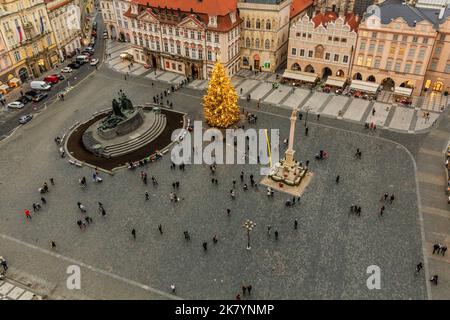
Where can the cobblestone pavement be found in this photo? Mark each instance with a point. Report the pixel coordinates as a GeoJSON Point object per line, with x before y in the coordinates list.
{"type": "Point", "coordinates": [326, 257]}
{"type": "Point", "coordinates": [259, 86]}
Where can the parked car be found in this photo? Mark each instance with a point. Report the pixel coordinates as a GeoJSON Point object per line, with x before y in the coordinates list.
{"type": "Point", "coordinates": [71, 54]}
{"type": "Point", "coordinates": [89, 49]}
{"type": "Point", "coordinates": [66, 70]}
{"type": "Point", "coordinates": [60, 76]}
{"type": "Point", "coordinates": [74, 65]}
{"type": "Point", "coordinates": [24, 99]}
{"type": "Point", "coordinates": [94, 62]}
{"type": "Point", "coordinates": [51, 79]}
{"type": "Point", "coordinates": [15, 105]}
{"type": "Point", "coordinates": [82, 59]}
{"type": "Point", "coordinates": [30, 94]}
{"type": "Point", "coordinates": [40, 85]}
{"type": "Point", "coordinates": [26, 118]}
{"type": "Point", "coordinates": [40, 96]}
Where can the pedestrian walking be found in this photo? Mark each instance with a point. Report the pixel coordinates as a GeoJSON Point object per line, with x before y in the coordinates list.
{"type": "Point", "coordinates": [338, 178]}
{"type": "Point", "coordinates": [382, 210]}
{"type": "Point", "coordinates": [172, 288]}
{"type": "Point", "coordinates": [268, 230]}
{"type": "Point", "coordinates": [276, 234]}
{"type": "Point", "coordinates": [392, 198]}
{"type": "Point", "coordinates": [242, 176]}
{"type": "Point", "coordinates": [228, 212]}
{"type": "Point", "coordinates": [27, 214]}
{"type": "Point", "coordinates": [238, 297]}
{"type": "Point", "coordinates": [43, 200]}
{"type": "Point", "coordinates": [249, 289]}
{"type": "Point", "coordinates": [160, 229]}
{"type": "Point", "coordinates": [244, 290]}
{"type": "Point", "coordinates": [443, 250]}
{"type": "Point", "coordinates": [386, 195]}
{"type": "Point", "coordinates": [434, 279]}
{"type": "Point", "coordinates": [53, 244]}
{"type": "Point", "coordinates": [418, 268]}
{"type": "Point", "coordinates": [306, 131]}
{"type": "Point", "coordinates": [295, 224]}
{"type": "Point", "coordinates": [214, 239]}
{"type": "Point", "coordinates": [205, 245]}
{"type": "Point", "coordinates": [147, 196]}
{"type": "Point", "coordinates": [133, 233]}
{"type": "Point", "coordinates": [436, 247]}
{"type": "Point", "coordinates": [103, 212]}
{"type": "Point", "coordinates": [318, 116]}
{"type": "Point", "coordinates": [52, 181]}
{"type": "Point", "coordinates": [234, 183]}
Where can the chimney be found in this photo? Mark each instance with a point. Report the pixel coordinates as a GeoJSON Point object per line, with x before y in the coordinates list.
{"type": "Point", "coordinates": [441, 12]}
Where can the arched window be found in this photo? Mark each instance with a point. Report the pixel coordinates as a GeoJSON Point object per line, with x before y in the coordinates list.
{"type": "Point", "coordinates": [247, 23]}
{"type": "Point", "coordinates": [247, 43]}
{"type": "Point", "coordinates": [267, 44]}
{"type": "Point", "coordinates": [258, 24]}
{"type": "Point", "coordinates": [268, 25]}
{"type": "Point", "coordinates": [257, 43]}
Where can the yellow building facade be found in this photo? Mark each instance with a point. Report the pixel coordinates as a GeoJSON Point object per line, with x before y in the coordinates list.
{"type": "Point", "coordinates": [28, 37]}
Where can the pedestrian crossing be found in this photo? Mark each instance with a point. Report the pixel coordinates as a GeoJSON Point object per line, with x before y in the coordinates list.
{"type": "Point", "coordinates": [259, 87]}
{"type": "Point", "coordinates": [10, 291]}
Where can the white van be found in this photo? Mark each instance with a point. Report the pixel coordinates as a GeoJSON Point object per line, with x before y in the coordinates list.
{"type": "Point", "coordinates": [82, 59]}
{"type": "Point", "coordinates": [40, 85]}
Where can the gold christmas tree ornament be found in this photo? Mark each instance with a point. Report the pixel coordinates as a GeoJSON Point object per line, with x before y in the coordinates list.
{"type": "Point", "coordinates": [220, 102]}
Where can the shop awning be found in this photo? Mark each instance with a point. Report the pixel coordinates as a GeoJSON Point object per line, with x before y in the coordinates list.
{"type": "Point", "coordinates": [401, 91]}
{"type": "Point", "coordinates": [365, 86]}
{"type": "Point", "coordinates": [300, 75]}
{"type": "Point", "coordinates": [335, 81]}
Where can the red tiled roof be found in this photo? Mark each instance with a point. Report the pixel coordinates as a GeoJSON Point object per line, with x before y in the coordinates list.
{"type": "Point", "coordinates": [223, 21]}
{"type": "Point", "coordinates": [324, 18]}
{"type": "Point", "coordinates": [56, 6]}
{"type": "Point", "coordinates": [211, 7]}
{"type": "Point", "coordinates": [299, 6]}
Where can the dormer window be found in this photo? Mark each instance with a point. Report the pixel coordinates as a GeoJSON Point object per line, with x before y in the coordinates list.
{"type": "Point", "coordinates": [134, 8]}
{"type": "Point", "coordinates": [233, 17]}
{"type": "Point", "coordinates": [212, 21]}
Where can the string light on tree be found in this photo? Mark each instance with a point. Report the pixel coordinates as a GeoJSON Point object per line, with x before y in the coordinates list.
{"type": "Point", "coordinates": [220, 102]}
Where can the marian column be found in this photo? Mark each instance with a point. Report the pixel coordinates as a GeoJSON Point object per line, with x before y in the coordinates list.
{"type": "Point", "coordinates": [289, 155]}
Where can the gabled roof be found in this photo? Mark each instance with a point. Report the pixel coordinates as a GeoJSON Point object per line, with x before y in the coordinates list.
{"type": "Point", "coordinates": [323, 19]}
{"type": "Point", "coordinates": [210, 7]}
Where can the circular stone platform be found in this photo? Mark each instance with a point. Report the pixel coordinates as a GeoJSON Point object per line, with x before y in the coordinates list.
{"type": "Point", "coordinates": [147, 125]}
{"type": "Point", "coordinates": [153, 135]}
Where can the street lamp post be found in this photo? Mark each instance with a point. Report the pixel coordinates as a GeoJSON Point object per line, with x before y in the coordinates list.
{"type": "Point", "coordinates": [306, 117]}
{"type": "Point", "coordinates": [248, 225]}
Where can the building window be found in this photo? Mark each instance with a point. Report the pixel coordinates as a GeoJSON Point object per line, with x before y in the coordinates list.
{"type": "Point", "coordinates": [200, 54]}
{"type": "Point", "coordinates": [447, 67]}
{"type": "Point", "coordinates": [258, 24]}
{"type": "Point", "coordinates": [418, 68]}
{"type": "Point", "coordinates": [401, 51]}
{"type": "Point", "coordinates": [362, 46]}
{"type": "Point", "coordinates": [267, 44]}
{"type": "Point", "coordinates": [425, 40]}
{"type": "Point", "coordinates": [411, 52]}
{"type": "Point", "coordinates": [389, 65]}
{"type": "Point", "coordinates": [209, 55]}
{"type": "Point", "coordinates": [397, 66]}
{"type": "Point", "coordinates": [193, 53]}
{"type": "Point", "coordinates": [405, 38]}
{"type": "Point", "coordinates": [192, 34]}
{"type": "Point", "coordinates": [302, 52]}
{"type": "Point", "coordinates": [377, 63]}
{"type": "Point", "coordinates": [166, 47]}
{"type": "Point", "coordinates": [294, 51]}
{"type": "Point", "coordinates": [298, 34]}
{"type": "Point", "coordinates": [421, 53]}
{"type": "Point", "coordinates": [216, 38]}
{"type": "Point", "coordinates": [438, 50]}
{"type": "Point", "coordinates": [343, 40]}
{"type": "Point", "coordinates": [17, 56]}
{"type": "Point", "coordinates": [407, 68]}
{"type": "Point", "coordinates": [380, 48]}
{"type": "Point", "coordinates": [208, 37]}
{"type": "Point", "coordinates": [433, 65]}
{"type": "Point", "coordinates": [178, 49]}
{"type": "Point", "coordinates": [247, 43]}
{"type": "Point", "coordinates": [309, 35]}
{"type": "Point", "coordinates": [345, 59]}
{"type": "Point", "coordinates": [330, 38]}
{"type": "Point", "coordinates": [172, 48]}
{"type": "Point", "coordinates": [310, 54]}
{"type": "Point", "coordinates": [268, 25]}
{"type": "Point", "coordinates": [415, 39]}
{"type": "Point", "coordinates": [374, 35]}
{"type": "Point", "coordinates": [199, 35]}
{"type": "Point", "coordinates": [392, 49]}
{"type": "Point", "coordinates": [247, 23]}
{"type": "Point", "coordinates": [336, 58]}
{"type": "Point", "coordinates": [359, 61]}
{"type": "Point", "coordinates": [372, 47]}
{"type": "Point", "coordinates": [327, 56]}
{"type": "Point", "coordinates": [395, 37]}
{"type": "Point", "coordinates": [186, 52]}
{"type": "Point", "coordinates": [257, 43]}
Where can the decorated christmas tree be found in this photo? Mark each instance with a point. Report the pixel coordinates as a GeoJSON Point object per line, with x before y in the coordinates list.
{"type": "Point", "coordinates": [220, 102]}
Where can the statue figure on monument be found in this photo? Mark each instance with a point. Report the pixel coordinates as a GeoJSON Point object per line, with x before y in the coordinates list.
{"type": "Point", "coordinates": [117, 110]}
{"type": "Point", "coordinates": [125, 103]}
